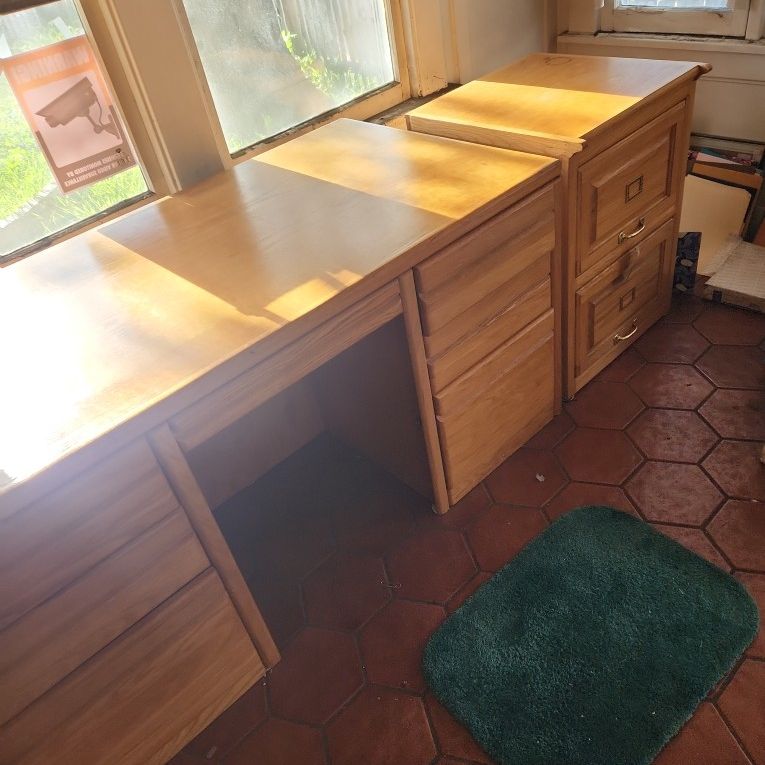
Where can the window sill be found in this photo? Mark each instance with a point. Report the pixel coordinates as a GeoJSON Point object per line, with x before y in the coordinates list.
{"type": "Point", "coordinates": [691, 43]}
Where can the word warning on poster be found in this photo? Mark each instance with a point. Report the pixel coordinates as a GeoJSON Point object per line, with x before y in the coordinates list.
{"type": "Point", "coordinates": [67, 105]}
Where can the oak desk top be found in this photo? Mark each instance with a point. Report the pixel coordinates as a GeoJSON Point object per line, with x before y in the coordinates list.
{"type": "Point", "coordinates": [119, 328]}
{"type": "Point", "coordinates": [565, 98]}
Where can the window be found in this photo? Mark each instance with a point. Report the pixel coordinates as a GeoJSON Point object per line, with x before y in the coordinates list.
{"type": "Point", "coordinates": [32, 205]}
{"type": "Point", "coordinates": [697, 17]}
{"type": "Point", "coordinates": [272, 65]}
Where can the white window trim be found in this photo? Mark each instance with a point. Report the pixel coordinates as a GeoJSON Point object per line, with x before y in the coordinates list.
{"type": "Point", "coordinates": [731, 23]}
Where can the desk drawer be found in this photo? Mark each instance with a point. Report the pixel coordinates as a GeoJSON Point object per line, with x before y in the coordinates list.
{"type": "Point", "coordinates": [486, 414]}
{"type": "Point", "coordinates": [627, 190]}
{"type": "Point", "coordinates": [625, 299]}
{"type": "Point", "coordinates": [52, 640]}
{"type": "Point", "coordinates": [48, 544]}
{"type": "Point", "coordinates": [466, 272]}
{"type": "Point", "coordinates": [140, 699]}
{"type": "Point", "coordinates": [517, 308]}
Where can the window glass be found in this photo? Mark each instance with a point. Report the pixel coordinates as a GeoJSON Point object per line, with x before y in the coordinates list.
{"type": "Point", "coordinates": [274, 64]}
{"type": "Point", "coordinates": [685, 4]}
{"type": "Point", "coordinates": [32, 206]}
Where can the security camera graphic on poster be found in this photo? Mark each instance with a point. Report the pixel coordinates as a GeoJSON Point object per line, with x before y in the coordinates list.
{"type": "Point", "coordinates": [77, 101]}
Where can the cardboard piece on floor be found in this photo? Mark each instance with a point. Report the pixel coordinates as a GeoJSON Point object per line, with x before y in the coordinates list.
{"type": "Point", "coordinates": [717, 211]}
{"type": "Point", "coordinates": [741, 279]}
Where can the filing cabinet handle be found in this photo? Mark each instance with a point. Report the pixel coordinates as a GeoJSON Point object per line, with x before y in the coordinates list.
{"type": "Point", "coordinates": [622, 338]}
{"type": "Point", "coordinates": [623, 236]}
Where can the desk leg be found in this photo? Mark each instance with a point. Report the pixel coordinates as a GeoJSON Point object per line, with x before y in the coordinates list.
{"type": "Point", "coordinates": [176, 468]}
{"type": "Point", "coordinates": [424, 392]}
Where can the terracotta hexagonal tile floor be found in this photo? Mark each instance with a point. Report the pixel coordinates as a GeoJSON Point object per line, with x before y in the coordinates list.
{"type": "Point", "coordinates": [696, 540]}
{"type": "Point", "coordinates": [672, 435]}
{"type": "Point", "coordinates": [349, 689]}
{"type": "Point", "coordinates": [672, 344]}
{"type": "Point", "coordinates": [584, 494]}
{"type": "Point", "coordinates": [755, 583]}
{"type": "Point", "coordinates": [739, 530]}
{"type": "Point", "coordinates": [743, 704]}
{"type": "Point", "coordinates": [345, 591]}
{"type": "Point", "coordinates": [381, 727]}
{"type": "Point", "coordinates": [624, 367]}
{"type": "Point", "coordinates": [605, 405]}
{"type": "Point", "coordinates": [705, 739]}
{"type": "Point", "coordinates": [736, 467]}
{"type": "Point", "coordinates": [598, 456]}
{"type": "Point", "coordinates": [673, 386]}
{"type": "Point", "coordinates": [502, 532]}
{"type": "Point", "coordinates": [416, 566]}
{"type": "Point", "coordinates": [319, 671]}
{"type": "Point", "coordinates": [392, 643]}
{"type": "Point", "coordinates": [279, 742]}
{"type": "Point", "coordinates": [530, 478]}
{"type": "Point", "coordinates": [736, 413]}
{"type": "Point", "coordinates": [668, 492]}
{"type": "Point", "coordinates": [732, 366]}
{"type": "Point", "coordinates": [723, 325]}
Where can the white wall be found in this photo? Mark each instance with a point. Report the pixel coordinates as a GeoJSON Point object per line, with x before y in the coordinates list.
{"type": "Point", "coordinates": [459, 40]}
{"type": "Point", "coordinates": [492, 33]}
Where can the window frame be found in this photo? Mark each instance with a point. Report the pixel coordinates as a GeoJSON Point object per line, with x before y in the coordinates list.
{"type": "Point", "coordinates": [360, 108]}
{"type": "Point", "coordinates": [154, 181]}
{"type": "Point", "coordinates": [174, 153]}
{"type": "Point", "coordinates": [690, 21]}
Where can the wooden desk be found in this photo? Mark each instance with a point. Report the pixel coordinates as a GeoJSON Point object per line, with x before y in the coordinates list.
{"type": "Point", "coordinates": [620, 128]}
{"type": "Point", "coordinates": [125, 625]}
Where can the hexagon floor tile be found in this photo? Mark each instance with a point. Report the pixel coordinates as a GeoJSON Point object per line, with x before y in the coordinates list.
{"type": "Point", "coordinates": [416, 566]}
{"type": "Point", "coordinates": [318, 673]}
{"type": "Point", "coordinates": [672, 434]}
{"type": "Point", "coordinates": [598, 456]}
{"type": "Point", "coordinates": [393, 641]}
{"type": "Point", "coordinates": [381, 727]}
{"type": "Point", "coordinates": [736, 413]}
{"type": "Point", "coordinates": [743, 704]}
{"type": "Point", "coordinates": [605, 405]}
{"type": "Point", "coordinates": [672, 386]}
{"type": "Point", "coordinates": [360, 553]}
{"type": "Point", "coordinates": [736, 467]}
{"type": "Point", "coordinates": [345, 591]}
{"type": "Point", "coordinates": [530, 478]}
{"type": "Point", "coordinates": [666, 492]}
{"type": "Point", "coordinates": [705, 739]}
{"type": "Point", "coordinates": [732, 366]}
{"type": "Point", "coordinates": [584, 494]}
{"type": "Point", "coordinates": [723, 325]}
{"type": "Point", "coordinates": [739, 530]}
{"type": "Point", "coordinates": [279, 742]}
{"type": "Point", "coordinates": [672, 344]}
{"type": "Point", "coordinates": [502, 532]}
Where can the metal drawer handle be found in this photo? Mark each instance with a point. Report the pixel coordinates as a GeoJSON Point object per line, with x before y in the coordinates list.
{"type": "Point", "coordinates": [622, 338]}
{"type": "Point", "coordinates": [623, 236]}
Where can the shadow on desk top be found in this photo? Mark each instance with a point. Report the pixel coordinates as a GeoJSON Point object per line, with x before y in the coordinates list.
{"type": "Point", "coordinates": [112, 322]}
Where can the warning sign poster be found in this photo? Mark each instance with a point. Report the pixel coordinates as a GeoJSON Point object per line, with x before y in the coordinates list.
{"type": "Point", "coordinates": [67, 105]}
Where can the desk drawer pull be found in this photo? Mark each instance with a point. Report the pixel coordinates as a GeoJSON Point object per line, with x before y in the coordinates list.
{"type": "Point", "coordinates": [622, 338]}
{"type": "Point", "coordinates": [623, 236]}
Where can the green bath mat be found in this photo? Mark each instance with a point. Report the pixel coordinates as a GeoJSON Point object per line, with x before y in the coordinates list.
{"type": "Point", "coordinates": [592, 647]}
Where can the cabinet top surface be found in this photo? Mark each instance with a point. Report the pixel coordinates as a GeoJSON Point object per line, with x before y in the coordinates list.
{"type": "Point", "coordinates": [556, 95]}
{"type": "Point", "coordinates": [103, 326]}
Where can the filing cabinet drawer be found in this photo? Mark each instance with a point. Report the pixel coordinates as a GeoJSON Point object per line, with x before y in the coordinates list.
{"type": "Point", "coordinates": [147, 693]}
{"type": "Point", "coordinates": [490, 411]}
{"type": "Point", "coordinates": [466, 272]}
{"type": "Point", "coordinates": [529, 303]}
{"type": "Point", "coordinates": [48, 544]}
{"type": "Point", "coordinates": [628, 189]}
{"type": "Point", "coordinates": [624, 300]}
{"type": "Point", "coordinates": [52, 640]}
